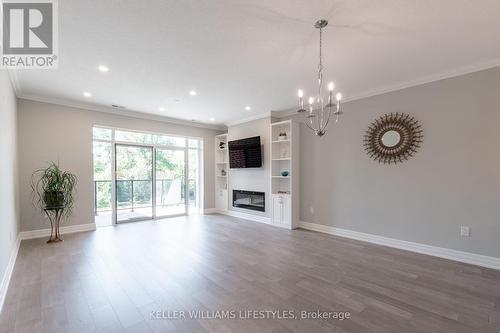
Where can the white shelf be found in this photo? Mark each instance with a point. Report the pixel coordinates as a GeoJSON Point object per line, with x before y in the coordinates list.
{"type": "Point", "coordinates": [285, 189]}
{"type": "Point", "coordinates": [221, 186]}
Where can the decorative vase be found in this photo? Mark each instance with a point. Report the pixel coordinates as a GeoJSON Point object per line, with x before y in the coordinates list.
{"type": "Point", "coordinates": [284, 173]}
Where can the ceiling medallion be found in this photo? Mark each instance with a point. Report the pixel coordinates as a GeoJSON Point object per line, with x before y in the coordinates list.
{"type": "Point", "coordinates": [319, 109]}
{"type": "Point", "coordinates": [393, 138]}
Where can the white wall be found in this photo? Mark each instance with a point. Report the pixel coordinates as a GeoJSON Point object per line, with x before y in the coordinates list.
{"type": "Point", "coordinates": [453, 180]}
{"type": "Point", "coordinates": [252, 179]}
{"type": "Point", "coordinates": [9, 221]}
{"type": "Point", "coordinates": [49, 132]}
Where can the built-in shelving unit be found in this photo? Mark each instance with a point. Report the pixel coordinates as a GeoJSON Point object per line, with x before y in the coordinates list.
{"type": "Point", "coordinates": [285, 187]}
{"type": "Point", "coordinates": [221, 172]}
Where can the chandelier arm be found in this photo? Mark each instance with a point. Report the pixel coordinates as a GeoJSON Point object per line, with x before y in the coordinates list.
{"type": "Point", "coordinates": [312, 129]}
{"type": "Point", "coordinates": [328, 119]}
{"type": "Point", "coordinates": [311, 124]}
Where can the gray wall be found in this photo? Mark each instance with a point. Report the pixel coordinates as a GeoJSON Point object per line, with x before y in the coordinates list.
{"type": "Point", "coordinates": [453, 180]}
{"type": "Point", "coordinates": [49, 132]}
{"type": "Point", "coordinates": [9, 223]}
{"type": "Point", "coordinates": [252, 179]}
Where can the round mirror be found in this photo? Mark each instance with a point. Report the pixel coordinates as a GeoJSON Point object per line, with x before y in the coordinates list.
{"type": "Point", "coordinates": [391, 138]}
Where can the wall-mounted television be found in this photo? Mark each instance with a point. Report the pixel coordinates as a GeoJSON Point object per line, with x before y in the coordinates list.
{"type": "Point", "coordinates": [245, 153]}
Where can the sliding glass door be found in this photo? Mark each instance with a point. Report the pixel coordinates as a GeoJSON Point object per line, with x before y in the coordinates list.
{"type": "Point", "coordinates": [141, 175]}
{"type": "Point", "coordinates": [134, 183]}
{"type": "Point", "coordinates": [170, 182]}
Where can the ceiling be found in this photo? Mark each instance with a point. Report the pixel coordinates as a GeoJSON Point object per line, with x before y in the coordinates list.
{"type": "Point", "coordinates": [257, 53]}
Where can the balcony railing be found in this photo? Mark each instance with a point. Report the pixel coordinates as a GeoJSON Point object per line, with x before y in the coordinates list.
{"type": "Point", "coordinates": [133, 194]}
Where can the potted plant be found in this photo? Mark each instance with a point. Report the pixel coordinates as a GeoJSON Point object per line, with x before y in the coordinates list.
{"type": "Point", "coordinates": [282, 136]}
{"type": "Point", "coordinates": [52, 191]}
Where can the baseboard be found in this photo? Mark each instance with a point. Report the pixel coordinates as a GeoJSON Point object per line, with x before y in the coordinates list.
{"type": "Point", "coordinates": [4, 286]}
{"type": "Point", "coordinates": [245, 216]}
{"type": "Point", "coordinates": [64, 230]}
{"type": "Point", "coordinates": [210, 211]}
{"type": "Point", "coordinates": [465, 257]}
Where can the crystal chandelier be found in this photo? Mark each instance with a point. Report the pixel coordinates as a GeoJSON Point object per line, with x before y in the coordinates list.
{"type": "Point", "coordinates": [319, 111]}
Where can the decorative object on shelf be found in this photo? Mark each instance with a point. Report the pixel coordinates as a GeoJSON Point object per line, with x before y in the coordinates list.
{"type": "Point", "coordinates": [393, 138]}
{"type": "Point", "coordinates": [284, 173]}
{"type": "Point", "coordinates": [52, 192]}
{"type": "Point", "coordinates": [223, 172]}
{"type": "Point", "coordinates": [283, 192]}
{"type": "Point", "coordinates": [222, 145]}
{"type": "Point", "coordinates": [320, 110]}
{"type": "Point", "coordinates": [282, 136]}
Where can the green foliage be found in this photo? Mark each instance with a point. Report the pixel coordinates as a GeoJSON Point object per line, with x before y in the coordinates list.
{"type": "Point", "coordinates": [53, 179]}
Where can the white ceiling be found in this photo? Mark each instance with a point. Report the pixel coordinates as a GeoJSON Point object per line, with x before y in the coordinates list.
{"type": "Point", "coordinates": [237, 53]}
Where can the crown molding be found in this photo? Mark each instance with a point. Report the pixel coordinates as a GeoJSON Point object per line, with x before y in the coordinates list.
{"type": "Point", "coordinates": [14, 80]}
{"type": "Point", "coordinates": [426, 79]}
{"type": "Point", "coordinates": [119, 112]}
{"type": "Point", "coordinates": [247, 119]}
{"type": "Point", "coordinates": [408, 84]}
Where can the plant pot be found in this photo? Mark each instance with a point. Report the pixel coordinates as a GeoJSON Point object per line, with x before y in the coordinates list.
{"type": "Point", "coordinates": [282, 137]}
{"type": "Point", "coordinates": [53, 199]}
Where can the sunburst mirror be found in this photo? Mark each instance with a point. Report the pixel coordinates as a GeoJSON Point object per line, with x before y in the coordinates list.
{"type": "Point", "coordinates": [393, 138]}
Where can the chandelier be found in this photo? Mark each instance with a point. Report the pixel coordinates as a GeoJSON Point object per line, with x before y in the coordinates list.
{"type": "Point", "coordinates": [319, 110]}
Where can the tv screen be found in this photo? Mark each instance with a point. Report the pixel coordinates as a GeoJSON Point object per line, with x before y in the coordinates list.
{"type": "Point", "coordinates": [245, 153]}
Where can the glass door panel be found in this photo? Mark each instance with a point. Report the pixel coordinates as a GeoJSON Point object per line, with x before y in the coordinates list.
{"type": "Point", "coordinates": [134, 183]}
{"type": "Point", "coordinates": [170, 184]}
{"type": "Point", "coordinates": [103, 202]}
{"type": "Point", "coordinates": [193, 182]}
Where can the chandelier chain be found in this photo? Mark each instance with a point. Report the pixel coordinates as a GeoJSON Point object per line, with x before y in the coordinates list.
{"type": "Point", "coordinates": [320, 66]}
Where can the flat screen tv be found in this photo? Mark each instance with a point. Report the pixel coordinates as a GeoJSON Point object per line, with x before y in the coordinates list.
{"type": "Point", "coordinates": [245, 153]}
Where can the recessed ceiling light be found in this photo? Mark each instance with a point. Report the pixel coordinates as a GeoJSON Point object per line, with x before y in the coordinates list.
{"type": "Point", "coordinates": [87, 94]}
{"type": "Point", "coordinates": [212, 119]}
{"type": "Point", "coordinates": [248, 108]}
{"type": "Point", "coordinates": [192, 93]}
{"type": "Point", "coordinates": [103, 68]}
{"type": "Point", "coordinates": [161, 108]}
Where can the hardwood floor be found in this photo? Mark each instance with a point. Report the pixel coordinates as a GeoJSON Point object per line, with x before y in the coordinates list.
{"type": "Point", "coordinates": [114, 278]}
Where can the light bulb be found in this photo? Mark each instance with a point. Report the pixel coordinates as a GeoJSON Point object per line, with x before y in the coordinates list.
{"type": "Point", "coordinates": [311, 100]}
{"type": "Point", "coordinates": [300, 93]}
{"type": "Point", "coordinates": [338, 96]}
{"type": "Point", "coordinates": [331, 86]}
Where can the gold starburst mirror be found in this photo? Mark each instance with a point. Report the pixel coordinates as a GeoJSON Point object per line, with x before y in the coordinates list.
{"type": "Point", "coordinates": [393, 138]}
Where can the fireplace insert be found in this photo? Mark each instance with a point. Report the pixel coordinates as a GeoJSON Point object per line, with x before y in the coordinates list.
{"type": "Point", "coordinates": [249, 200]}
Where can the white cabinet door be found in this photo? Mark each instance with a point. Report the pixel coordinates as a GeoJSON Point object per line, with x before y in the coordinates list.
{"type": "Point", "coordinates": [281, 213]}
{"type": "Point", "coordinates": [277, 203]}
{"type": "Point", "coordinates": [286, 212]}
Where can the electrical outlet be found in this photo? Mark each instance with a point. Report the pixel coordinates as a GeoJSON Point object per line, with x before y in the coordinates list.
{"type": "Point", "coordinates": [465, 231]}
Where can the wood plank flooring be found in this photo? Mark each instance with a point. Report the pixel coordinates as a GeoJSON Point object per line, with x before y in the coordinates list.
{"type": "Point", "coordinates": [112, 280]}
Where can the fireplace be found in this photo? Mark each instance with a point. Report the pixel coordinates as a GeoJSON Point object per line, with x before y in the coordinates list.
{"type": "Point", "coordinates": [249, 200]}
